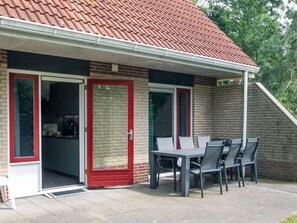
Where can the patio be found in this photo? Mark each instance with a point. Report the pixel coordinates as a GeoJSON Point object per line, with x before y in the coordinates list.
{"type": "Point", "coordinates": [267, 201]}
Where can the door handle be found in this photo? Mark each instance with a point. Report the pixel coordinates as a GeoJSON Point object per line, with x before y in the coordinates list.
{"type": "Point", "coordinates": [130, 134]}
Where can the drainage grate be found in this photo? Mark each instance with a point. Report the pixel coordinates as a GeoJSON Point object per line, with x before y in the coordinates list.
{"type": "Point", "coordinates": [68, 193]}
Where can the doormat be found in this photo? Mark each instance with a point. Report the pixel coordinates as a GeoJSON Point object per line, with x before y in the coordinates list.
{"type": "Point", "coordinates": [68, 193]}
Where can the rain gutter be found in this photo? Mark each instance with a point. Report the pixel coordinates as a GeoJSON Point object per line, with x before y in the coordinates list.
{"type": "Point", "coordinates": [40, 32]}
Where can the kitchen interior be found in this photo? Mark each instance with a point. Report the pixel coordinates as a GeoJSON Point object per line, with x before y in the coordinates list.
{"type": "Point", "coordinates": [60, 133]}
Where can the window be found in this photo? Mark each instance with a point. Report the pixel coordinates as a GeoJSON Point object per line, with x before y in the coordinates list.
{"type": "Point", "coordinates": [169, 114]}
{"type": "Point", "coordinates": [183, 112]}
{"type": "Point", "coordinates": [24, 118]}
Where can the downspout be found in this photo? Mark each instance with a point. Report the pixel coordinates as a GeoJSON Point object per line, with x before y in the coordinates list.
{"type": "Point", "coordinates": [245, 106]}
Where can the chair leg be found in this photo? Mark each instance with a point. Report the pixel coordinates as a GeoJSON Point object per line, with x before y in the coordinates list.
{"type": "Point", "coordinates": [12, 201]}
{"type": "Point", "coordinates": [238, 176]}
{"type": "Point", "coordinates": [174, 175]}
{"type": "Point", "coordinates": [158, 177]}
{"type": "Point", "coordinates": [4, 195]}
{"type": "Point", "coordinates": [201, 184]}
{"type": "Point", "coordinates": [241, 172]}
{"type": "Point", "coordinates": [226, 180]}
{"type": "Point", "coordinates": [220, 180]}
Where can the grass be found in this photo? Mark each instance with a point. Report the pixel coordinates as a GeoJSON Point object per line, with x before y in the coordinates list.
{"type": "Point", "coordinates": [290, 219]}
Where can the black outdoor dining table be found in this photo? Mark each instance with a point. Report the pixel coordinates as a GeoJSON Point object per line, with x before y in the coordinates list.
{"type": "Point", "coordinates": [186, 155]}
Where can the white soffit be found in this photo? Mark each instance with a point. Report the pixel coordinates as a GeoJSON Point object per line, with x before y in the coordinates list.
{"type": "Point", "coordinates": [38, 38]}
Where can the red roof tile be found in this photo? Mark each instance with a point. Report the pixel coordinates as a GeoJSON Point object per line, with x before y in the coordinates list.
{"type": "Point", "coordinates": [173, 24]}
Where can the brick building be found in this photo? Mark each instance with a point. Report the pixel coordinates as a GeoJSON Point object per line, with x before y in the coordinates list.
{"type": "Point", "coordinates": [83, 87]}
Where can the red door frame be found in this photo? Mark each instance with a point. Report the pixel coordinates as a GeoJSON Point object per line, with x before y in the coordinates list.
{"type": "Point", "coordinates": [109, 177]}
{"type": "Point", "coordinates": [178, 90]}
{"type": "Point", "coordinates": [35, 78]}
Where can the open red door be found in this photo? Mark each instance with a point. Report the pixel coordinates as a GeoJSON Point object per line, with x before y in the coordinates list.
{"type": "Point", "coordinates": [110, 132]}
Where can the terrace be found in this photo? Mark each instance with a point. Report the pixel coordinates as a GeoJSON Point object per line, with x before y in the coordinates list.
{"type": "Point", "coordinates": [267, 201]}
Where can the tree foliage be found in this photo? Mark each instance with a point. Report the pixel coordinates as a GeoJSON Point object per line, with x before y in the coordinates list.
{"type": "Point", "coordinates": [258, 28]}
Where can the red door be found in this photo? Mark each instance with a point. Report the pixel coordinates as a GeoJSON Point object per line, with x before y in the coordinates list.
{"type": "Point", "coordinates": [110, 132]}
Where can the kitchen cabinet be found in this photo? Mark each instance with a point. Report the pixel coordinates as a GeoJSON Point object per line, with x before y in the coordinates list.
{"type": "Point", "coordinates": [64, 98]}
{"type": "Point", "coordinates": [61, 154]}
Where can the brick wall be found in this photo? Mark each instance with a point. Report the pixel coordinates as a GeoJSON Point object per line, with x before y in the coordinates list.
{"type": "Point", "coordinates": [203, 96]}
{"type": "Point", "coordinates": [278, 135]}
{"type": "Point", "coordinates": [3, 114]}
{"type": "Point", "coordinates": [140, 77]}
{"type": "Point", "coordinates": [228, 112]}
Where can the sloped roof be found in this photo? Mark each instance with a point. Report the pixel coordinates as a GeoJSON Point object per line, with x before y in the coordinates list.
{"type": "Point", "coordinates": [172, 24]}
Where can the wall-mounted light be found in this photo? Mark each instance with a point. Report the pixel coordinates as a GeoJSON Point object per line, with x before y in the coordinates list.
{"type": "Point", "coordinates": [251, 75]}
{"type": "Point", "coordinates": [115, 68]}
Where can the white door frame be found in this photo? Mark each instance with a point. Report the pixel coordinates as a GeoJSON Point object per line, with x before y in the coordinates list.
{"type": "Point", "coordinates": [81, 122]}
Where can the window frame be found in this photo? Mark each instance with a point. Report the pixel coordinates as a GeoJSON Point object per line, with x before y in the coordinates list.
{"type": "Point", "coordinates": [189, 116]}
{"type": "Point", "coordinates": [36, 140]}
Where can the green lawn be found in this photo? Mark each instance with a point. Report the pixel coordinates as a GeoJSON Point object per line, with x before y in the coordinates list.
{"type": "Point", "coordinates": [290, 219]}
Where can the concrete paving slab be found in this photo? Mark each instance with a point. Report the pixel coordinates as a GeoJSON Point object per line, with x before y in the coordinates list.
{"type": "Point", "coordinates": [265, 202]}
{"type": "Point", "coordinates": [76, 216]}
{"type": "Point", "coordinates": [76, 202]}
{"type": "Point", "coordinates": [50, 205]}
{"type": "Point", "coordinates": [48, 219]}
{"type": "Point", "coordinates": [9, 215]}
{"type": "Point", "coordinates": [28, 209]}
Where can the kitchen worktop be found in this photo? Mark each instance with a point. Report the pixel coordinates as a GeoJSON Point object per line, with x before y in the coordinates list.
{"type": "Point", "coordinates": [74, 137]}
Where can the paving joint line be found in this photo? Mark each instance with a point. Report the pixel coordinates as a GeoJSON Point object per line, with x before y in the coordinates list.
{"type": "Point", "coordinates": [274, 190]}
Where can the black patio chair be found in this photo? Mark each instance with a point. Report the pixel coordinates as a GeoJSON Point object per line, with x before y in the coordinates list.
{"type": "Point", "coordinates": [166, 143]}
{"type": "Point", "coordinates": [249, 158]}
{"type": "Point", "coordinates": [210, 163]}
{"type": "Point", "coordinates": [231, 160]}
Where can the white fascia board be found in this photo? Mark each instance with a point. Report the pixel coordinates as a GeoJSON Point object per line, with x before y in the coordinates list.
{"type": "Point", "coordinates": [20, 29]}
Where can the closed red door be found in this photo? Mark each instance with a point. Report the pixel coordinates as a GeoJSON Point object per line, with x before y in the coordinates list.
{"type": "Point", "coordinates": [110, 132]}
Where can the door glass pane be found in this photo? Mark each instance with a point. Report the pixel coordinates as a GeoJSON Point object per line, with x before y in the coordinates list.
{"type": "Point", "coordinates": [23, 117]}
{"type": "Point", "coordinates": [183, 113]}
{"type": "Point", "coordinates": [161, 116]}
{"type": "Point", "coordinates": [110, 126]}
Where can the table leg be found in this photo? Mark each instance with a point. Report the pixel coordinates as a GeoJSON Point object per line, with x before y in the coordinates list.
{"type": "Point", "coordinates": [185, 181]}
{"type": "Point", "coordinates": [153, 172]}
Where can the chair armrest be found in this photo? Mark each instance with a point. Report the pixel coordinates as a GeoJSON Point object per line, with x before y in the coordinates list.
{"type": "Point", "coordinates": [196, 164]}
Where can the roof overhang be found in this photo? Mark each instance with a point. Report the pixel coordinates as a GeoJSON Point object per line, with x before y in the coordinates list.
{"type": "Point", "coordinates": [31, 37]}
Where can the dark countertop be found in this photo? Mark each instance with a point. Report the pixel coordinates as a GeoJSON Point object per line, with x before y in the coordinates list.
{"type": "Point", "coordinates": [62, 137]}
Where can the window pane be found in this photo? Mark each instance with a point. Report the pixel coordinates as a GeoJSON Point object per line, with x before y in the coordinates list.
{"type": "Point", "coordinates": [161, 116]}
{"type": "Point", "coordinates": [183, 111]}
{"type": "Point", "coordinates": [110, 112]}
{"type": "Point", "coordinates": [23, 117]}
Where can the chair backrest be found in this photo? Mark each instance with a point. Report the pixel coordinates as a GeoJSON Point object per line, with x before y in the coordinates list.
{"type": "Point", "coordinates": [186, 142]}
{"type": "Point", "coordinates": [234, 150]}
{"type": "Point", "coordinates": [250, 150]}
{"type": "Point", "coordinates": [165, 143]}
{"type": "Point", "coordinates": [237, 140]}
{"type": "Point", "coordinates": [202, 140]}
{"type": "Point", "coordinates": [212, 155]}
